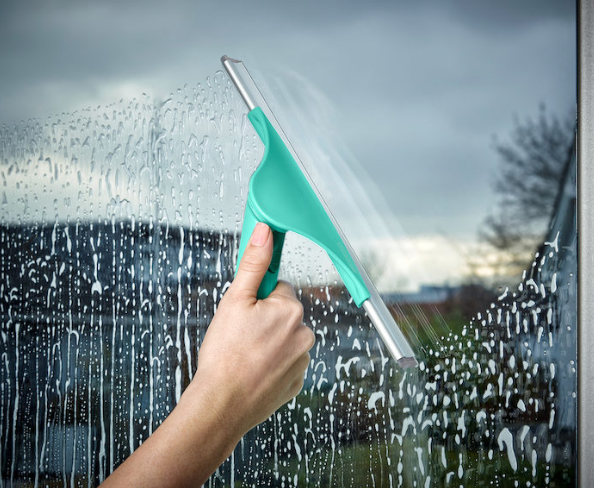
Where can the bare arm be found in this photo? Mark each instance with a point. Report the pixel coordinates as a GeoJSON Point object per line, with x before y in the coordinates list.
{"type": "Point", "coordinates": [251, 362]}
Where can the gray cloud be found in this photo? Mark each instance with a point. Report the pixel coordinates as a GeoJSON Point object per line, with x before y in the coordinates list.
{"type": "Point", "coordinates": [419, 88]}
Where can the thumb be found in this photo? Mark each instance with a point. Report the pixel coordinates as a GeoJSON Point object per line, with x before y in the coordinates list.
{"type": "Point", "coordinates": [254, 262]}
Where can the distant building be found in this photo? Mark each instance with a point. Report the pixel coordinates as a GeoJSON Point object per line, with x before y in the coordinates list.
{"type": "Point", "coordinates": [427, 294]}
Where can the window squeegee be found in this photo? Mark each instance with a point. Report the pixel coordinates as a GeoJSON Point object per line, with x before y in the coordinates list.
{"type": "Point", "coordinates": [282, 195]}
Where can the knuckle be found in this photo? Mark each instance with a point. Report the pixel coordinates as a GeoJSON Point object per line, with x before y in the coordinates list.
{"type": "Point", "coordinates": [309, 338]}
{"type": "Point", "coordinates": [302, 362]}
{"type": "Point", "coordinates": [295, 310]}
{"type": "Point", "coordinates": [297, 386]}
{"type": "Point", "coordinates": [306, 360]}
{"type": "Point", "coordinates": [285, 285]}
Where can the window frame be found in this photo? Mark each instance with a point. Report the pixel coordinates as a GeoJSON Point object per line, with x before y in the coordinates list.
{"type": "Point", "coordinates": [585, 225]}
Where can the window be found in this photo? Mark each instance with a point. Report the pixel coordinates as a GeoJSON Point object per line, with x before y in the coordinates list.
{"type": "Point", "coordinates": [118, 235]}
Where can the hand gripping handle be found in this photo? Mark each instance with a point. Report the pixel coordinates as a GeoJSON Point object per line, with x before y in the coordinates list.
{"type": "Point", "coordinates": [271, 277]}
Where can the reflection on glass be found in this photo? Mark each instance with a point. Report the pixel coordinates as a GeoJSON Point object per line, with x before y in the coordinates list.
{"type": "Point", "coordinates": [118, 234]}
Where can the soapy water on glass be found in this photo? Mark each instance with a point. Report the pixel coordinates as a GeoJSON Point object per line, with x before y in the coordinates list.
{"type": "Point", "coordinates": [119, 231]}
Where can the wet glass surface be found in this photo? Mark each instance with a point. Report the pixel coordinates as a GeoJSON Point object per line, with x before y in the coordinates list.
{"type": "Point", "coordinates": [119, 233]}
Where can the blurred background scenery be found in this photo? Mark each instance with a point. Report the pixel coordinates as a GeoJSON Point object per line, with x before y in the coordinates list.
{"type": "Point", "coordinates": [442, 138]}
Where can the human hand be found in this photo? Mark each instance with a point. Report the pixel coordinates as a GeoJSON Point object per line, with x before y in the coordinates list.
{"type": "Point", "coordinates": [255, 352]}
{"type": "Point", "coordinates": [251, 362]}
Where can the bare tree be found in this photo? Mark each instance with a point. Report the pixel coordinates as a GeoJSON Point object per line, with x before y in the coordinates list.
{"type": "Point", "coordinates": [531, 166]}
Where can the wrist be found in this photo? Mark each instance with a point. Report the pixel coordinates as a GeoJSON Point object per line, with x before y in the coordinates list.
{"type": "Point", "coordinates": [210, 410]}
{"type": "Point", "coordinates": [193, 441]}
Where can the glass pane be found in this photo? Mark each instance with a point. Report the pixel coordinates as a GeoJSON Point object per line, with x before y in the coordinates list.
{"type": "Point", "coordinates": [119, 233]}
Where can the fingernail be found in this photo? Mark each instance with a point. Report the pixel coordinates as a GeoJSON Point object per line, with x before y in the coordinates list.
{"type": "Point", "coordinates": [260, 234]}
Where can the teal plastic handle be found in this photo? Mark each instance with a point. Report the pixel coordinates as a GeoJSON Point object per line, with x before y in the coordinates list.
{"type": "Point", "coordinates": [271, 277]}
{"type": "Point", "coordinates": [281, 196]}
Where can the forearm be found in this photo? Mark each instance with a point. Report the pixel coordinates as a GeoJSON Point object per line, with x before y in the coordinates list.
{"type": "Point", "coordinates": [187, 448]}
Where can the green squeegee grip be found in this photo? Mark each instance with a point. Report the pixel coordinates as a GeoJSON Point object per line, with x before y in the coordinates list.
{"type": "Point", "coordinates": [281, 196]}
{"type": "Point", "coordinates": [271, 277]}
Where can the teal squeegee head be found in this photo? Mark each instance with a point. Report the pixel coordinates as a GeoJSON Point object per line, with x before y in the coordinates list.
{"type": "Point", "coordinates": [281, 195]}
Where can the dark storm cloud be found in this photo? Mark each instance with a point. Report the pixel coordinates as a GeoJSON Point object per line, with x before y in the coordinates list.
{"type": "Point", "coordinates": [419, 87]}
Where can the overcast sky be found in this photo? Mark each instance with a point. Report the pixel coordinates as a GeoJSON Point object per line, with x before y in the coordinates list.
{"type": "Point", "coordinates": [419, 89]}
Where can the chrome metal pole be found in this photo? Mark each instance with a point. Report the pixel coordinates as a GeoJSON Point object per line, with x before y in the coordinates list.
{"type": "Point", "coordinates": [230, 65]}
